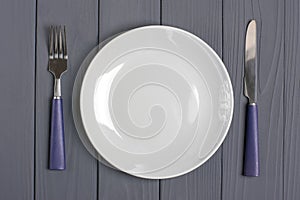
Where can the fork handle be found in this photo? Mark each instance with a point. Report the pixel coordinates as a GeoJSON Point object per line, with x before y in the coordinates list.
{"type": "Point", "coordinates": [57, 139]}
{"type": "Point", "coordinates": [251, 159]}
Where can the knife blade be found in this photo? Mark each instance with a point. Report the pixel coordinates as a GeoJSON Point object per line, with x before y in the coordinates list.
{"type": "Point", "coordinates": [251, 157]}
{"type": "Point", "coordinates": [250, 82]}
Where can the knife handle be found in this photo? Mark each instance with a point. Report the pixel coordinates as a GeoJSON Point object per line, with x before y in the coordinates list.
{"type": "Point", "coordinates": [57, 139]}
{"type": "Point", "coordinates": [251, 160]}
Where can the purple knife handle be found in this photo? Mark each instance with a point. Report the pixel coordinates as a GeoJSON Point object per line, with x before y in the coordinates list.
{"type": "Point", "coordinates": [57, 139]}
{"type": "Point", "coordinates": [251, 160]}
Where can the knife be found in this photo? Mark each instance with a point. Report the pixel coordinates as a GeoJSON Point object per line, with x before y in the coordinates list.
{"type": "Point", "coordinates": [251, 159]}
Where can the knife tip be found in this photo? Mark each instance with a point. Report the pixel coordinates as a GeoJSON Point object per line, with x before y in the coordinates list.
{"type": "Point", "coordinates": [252, 22]}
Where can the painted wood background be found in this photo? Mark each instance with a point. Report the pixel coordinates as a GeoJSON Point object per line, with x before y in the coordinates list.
{"type": "Point", "coordinates": [26, 89]}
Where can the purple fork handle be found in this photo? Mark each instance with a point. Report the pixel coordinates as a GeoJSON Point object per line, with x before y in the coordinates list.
{"type": "Point", "coordinates": [251, 159]}
{"type": "Point", "coordinates": [57, 140]}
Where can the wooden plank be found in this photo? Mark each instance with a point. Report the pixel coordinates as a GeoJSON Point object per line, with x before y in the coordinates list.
{"type": "Point", "coordinates": [117, 16]}
{"type": "Point", "coordinates": [203, 18]}
{"type": "Point", "coordinates": [202, 183]}
{"type": "Point", "coordinates": [115, 185]}
{"type": "Point", "coordinates": [292, 101]}
{"type": "Point", "coordinates": [79, 180]}
{"type": "Point", "coordinates": [17, 39]}
{"type": "Point", "coordinates": [269, 15]}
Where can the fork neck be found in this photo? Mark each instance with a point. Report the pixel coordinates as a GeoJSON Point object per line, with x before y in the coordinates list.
{"type": "Point", "coordinates": [57, 88]}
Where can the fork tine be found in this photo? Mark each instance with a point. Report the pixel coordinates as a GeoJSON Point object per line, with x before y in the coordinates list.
{"type": "Point", "coordinates": [55, 42]}
{"type": "Point", "coordinates": [51, 42]}
{"type": "Point", "coordinates": [65, 43]}
{"type": "Point", "coordinates": [60, 44]}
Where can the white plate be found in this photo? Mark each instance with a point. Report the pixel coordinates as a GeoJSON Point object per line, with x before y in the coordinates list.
{"type": "Point", "coordinates": [75, 107]}
{"type": "Point", "coordinates": [156, 102]}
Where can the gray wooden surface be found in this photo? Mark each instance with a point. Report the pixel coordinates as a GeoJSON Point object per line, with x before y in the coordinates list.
{"type": "Point", "coordinates": [17, 83]}
{"type": "Point", "coordinates": [26, 88]}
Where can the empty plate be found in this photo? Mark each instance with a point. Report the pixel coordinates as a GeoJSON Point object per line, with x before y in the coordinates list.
{"type": "Point", "coordinates": [156, 102]}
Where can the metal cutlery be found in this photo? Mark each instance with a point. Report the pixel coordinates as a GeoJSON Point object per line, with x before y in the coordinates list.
{"type": "Point", "coordinates": [251, 156]}
{"type": "Point", "coordinates": [58, 58]}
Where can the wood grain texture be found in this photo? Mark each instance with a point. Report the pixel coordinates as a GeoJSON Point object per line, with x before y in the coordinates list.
{"type": "Point", "coordinates": [202, 183]}
{"type": "Point", "coordinates": [115, 185]}
{"type": "Point", "coordinates": [292, 101]}
{"type": "Point", "coordinates": [203, 18]}
{"type": "Point", "coordinates": [115, 17]}
{"type": "Point", "coordinates": [118, 16]}
{"type": "Point", "coordinates": [17, 39]}
{"type": "Point", "coordinates": [270, 17]}
{"type": "Point", "coordinates": [79, 180]}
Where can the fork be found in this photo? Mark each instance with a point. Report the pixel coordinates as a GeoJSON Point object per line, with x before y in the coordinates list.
{"type": "Point", "coordinates": [58, 58]}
